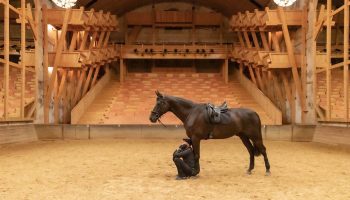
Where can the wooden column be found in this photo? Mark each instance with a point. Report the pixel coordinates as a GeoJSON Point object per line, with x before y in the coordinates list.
{"type": "Point", "coordinates": [328, 70]}
{"type": "Point", "coordinates": [225, 70]}
{"type": "Point", "coordinates": [241, 70]}
{"type": "Point", "coordinates": [59, 94]}
{"type": "Point", "coordinates": [23, 49]}
{"type": "Point", "coordinates": [87, 81]}
{"type": "Point", "coordinates": [346, 59]}
{"type": "Point", "coordinates": [275, 42]}
{"type": "Point", "coordinates": [264, 41]}
{"type": "Point", "coordinates": [289, 96]}
{"type": "Point", "coordinates": [255, 40]}
{"type": "Point", "coordinates": [121, 70]}
{"type": "Point", "coordinates": [310, 58]}
{"type": "Point", "coordinates": [246, 37]}
{"type": "Point", "coordinates": [6, 57]}
{"type": "Point", "coordinates": [252, 76]}
{"type": "Point", "coordinates": [153, 25]}
{"type": "Point", "coordinates": [45, 62]}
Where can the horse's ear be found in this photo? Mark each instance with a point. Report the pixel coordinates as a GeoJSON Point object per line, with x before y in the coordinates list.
{"type": "Point", "coordinates": [159, 94]}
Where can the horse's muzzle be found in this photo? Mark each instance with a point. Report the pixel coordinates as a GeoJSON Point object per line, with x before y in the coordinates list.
{"type": "Point", "coordinates": [154, 117]}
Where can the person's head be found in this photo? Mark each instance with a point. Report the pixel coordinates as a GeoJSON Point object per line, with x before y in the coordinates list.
{"type": "Point", "coordinates": [184, 146]}
{"type": "Point", "coordinates": [188, 141]}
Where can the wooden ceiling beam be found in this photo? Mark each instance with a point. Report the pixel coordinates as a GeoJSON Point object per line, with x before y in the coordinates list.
{"type": "Point", "coordinates": [226, 7]}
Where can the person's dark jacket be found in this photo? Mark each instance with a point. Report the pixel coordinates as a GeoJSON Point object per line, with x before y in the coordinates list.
{"type": "Point", "coordinates": [186, 154]}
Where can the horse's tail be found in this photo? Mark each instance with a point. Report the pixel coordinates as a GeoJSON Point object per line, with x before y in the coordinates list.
{"type": "Point", "coordinates": [256, 151]}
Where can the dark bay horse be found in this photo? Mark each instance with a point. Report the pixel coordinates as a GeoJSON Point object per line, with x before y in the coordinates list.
{"type": "Point", "coordinates": [242, 122]}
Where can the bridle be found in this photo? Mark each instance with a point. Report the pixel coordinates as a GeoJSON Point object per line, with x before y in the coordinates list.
{"type": "Point", "coordinates": [158, 116]}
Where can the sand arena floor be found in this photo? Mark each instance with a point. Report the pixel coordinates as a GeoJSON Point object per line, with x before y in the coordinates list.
{"type": "Point", "coordinates": [143, 169]}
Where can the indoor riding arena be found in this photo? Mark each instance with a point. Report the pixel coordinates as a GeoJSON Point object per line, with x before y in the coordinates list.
{"type": "Point", "coordinates": [174, 99]}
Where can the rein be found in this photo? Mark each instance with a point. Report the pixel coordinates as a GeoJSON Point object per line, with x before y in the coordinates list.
{"type": "Point", "coordinates": [162, 123]}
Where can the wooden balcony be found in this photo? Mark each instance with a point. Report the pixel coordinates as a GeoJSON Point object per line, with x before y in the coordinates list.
{"type": "Point", "coordinates": [173, 19]}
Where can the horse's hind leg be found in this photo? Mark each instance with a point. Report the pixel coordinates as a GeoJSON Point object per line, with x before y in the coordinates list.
{"type": "Point", "coordinates": [262, 149]}
{"type": "Point", "coordinates": [250, 149]}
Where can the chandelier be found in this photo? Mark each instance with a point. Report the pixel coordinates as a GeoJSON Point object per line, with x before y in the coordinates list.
{"type": "Point", "coordinates": [65, 3]}
{"type": "Point", "coordinates": [284, 3]}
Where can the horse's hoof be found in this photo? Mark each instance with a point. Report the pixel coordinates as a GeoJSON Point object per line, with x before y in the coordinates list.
{"type": "Point", "coordinates": [268, 173]}
{"type": "Point", "coordinates": [249, 172]}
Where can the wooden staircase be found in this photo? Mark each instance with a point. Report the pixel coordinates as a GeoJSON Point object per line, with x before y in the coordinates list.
{"type": "Point", "coordinates": [132, 101]}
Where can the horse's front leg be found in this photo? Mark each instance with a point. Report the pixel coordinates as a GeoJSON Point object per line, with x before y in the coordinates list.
{"type": "Point", "coordinates": [196, 150]}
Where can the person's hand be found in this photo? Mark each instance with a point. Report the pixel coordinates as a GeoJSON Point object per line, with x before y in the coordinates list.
{"type": "Point", "coordinates": [175, 153]}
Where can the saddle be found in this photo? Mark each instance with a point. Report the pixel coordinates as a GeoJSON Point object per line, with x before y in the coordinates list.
{"type": "Point", "coordinates": [214, 112]}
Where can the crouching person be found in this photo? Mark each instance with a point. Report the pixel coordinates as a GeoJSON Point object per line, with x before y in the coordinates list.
{"type": "Point", "coordinates": [183, 158]}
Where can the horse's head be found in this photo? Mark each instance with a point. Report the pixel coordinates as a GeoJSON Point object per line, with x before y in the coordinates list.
{"type": "Point", "coordinates": [162, 106]}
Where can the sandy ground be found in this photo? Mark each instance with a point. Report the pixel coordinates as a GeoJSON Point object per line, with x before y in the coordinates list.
{"type": "Point", "coordinates": [143, 169]}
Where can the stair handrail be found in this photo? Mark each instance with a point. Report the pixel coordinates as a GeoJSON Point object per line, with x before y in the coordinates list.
{"type": "Point", "coordinates": [271, 109]}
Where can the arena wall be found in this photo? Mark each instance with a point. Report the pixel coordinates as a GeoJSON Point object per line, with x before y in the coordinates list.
{"type": "Point", "coordinates": [22, 133]}
{"type": "Point", "coordinates": [295, 133]}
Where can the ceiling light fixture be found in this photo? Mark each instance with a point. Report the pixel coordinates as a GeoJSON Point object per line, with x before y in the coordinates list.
{"type": "Point", "coordinates": [65, 3]}
{"type": "Point", "coordinates": [284, 3]}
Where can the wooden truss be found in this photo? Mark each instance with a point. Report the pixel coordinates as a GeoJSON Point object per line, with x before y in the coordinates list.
{"type": "Point", "coordinates": [265, 47]}
{"type": "Point", "coordinates": [12, 81]}
{"type": "Point", "coordinates": [332, 96]}
{"type": "Point", "coordinates": [75, 64]}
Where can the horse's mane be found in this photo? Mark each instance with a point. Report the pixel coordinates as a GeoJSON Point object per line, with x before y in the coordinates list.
{"type": "Point", "coordinates": [186, 101]}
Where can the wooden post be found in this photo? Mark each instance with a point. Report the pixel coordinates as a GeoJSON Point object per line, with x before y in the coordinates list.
{"type": "Point", "coordinates": [246, 37]}
{"type": "Point", "coordinates": [83, 42]}
{"type": "Point", "coordinates": [240, 37]}
{"type": "Point", "coordinates": [58, 56]}
{"type": "Point", "coordinates": [258, 76]}
{"type": "Point", "coordinates": [78, 88]}
{"type": "Point", "coordinates": [241, 70]}
{"type": "Point", "coordinates": [264, 41]}
{"type": "Point", "coordinates": [121, 70]}
{"type": "Point", "coordinates": [87, 81]}
{"type": "Point", "coordinates": [289, 96]}
{"type": "Point", "coordinates": [6, 56]}
{"type": "Point", "coordinates": [23, 64]}
{"type": "Point", "coordinates": [252, 76]}
{"type": "Point", "coordinates": [221, 33]}
{"type": "Point", "coordinates": [45, 63]}
{"type": "Point", "coordinates": [193, 28]}
{"type": "Point", "coordinates": [346, 59]}
{"type": "Point", "coordinates": [94, 79]}
{"type": "Point", "coordinates": [93, 39]}
{"type": "Point", "coordinates": [225, 70]}
{"type": "Point", "coordinates": [278, 92]}
{"type": "Point", "coordinates": [255, 40]}
{"type": "Point", "coordinates": [58, 95]}
{"type": "Point", "coordinates": [303, 59]}
{"type": "Point", "coordinates": [329, 63]}
{"type": "Point", "coordinates": [275, 42]}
